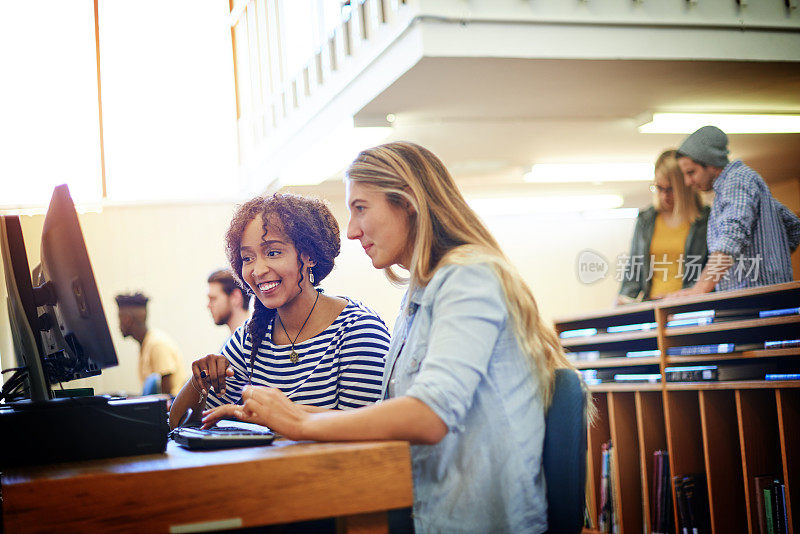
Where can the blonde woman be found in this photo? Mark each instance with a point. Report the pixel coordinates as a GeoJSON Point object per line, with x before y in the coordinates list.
{"type": "Point", "coordinates": [470, 368]}
{"type": "Point", "coordinates": [668, 249]}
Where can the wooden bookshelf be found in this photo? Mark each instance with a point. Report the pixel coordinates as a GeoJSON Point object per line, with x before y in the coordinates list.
{"type": "Point", "coordinates": [728, 431]}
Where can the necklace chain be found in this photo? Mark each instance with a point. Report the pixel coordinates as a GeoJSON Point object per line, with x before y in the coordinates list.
{"type": "Point", "coordinates": [293, 356]}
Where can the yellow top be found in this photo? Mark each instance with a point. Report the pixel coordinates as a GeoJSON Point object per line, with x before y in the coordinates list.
{"type": "Point", "coordinates": [666, 251]}
{"type": "Point", "coordinates": [159, 354]}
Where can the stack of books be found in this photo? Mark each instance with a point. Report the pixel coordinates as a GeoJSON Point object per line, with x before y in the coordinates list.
{"type": "Point", "coordinates": [721, 372]}
{"type": "Point", "coordinates": [771, 505]}
{"type": "Point", "coordinates": [690, 494]}
{"type": "Point", "coordinates": [661, 511]}
{"type": "Point", "coordinates": [704, 317]}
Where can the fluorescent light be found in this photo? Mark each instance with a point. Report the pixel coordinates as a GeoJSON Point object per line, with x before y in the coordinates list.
{"type": "Point", "coordinates": [686, 123]}
{"type": "Point", "coordinates": [589, 172]}
{"type": "Point", "coordinates": [331, 153]}
{"type": "Point", "coordinates": [492, 207]}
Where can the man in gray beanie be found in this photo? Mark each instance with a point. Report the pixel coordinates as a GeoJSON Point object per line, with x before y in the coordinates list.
{"type": "Point", "coordinates": [750, 234]}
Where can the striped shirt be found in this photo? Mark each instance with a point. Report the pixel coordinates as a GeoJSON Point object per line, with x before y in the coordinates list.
{"type": "Point", "coordinates": [748, 224]}
{"type": "Point", "coordinates": [341, 367]}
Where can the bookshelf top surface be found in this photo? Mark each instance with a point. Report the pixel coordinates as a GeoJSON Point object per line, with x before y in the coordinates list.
{"type": "Point", "coordinates": [672, 305]}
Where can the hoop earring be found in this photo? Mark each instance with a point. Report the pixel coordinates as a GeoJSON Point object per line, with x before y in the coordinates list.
{"type": "Point", "coordinates": [311, 276]}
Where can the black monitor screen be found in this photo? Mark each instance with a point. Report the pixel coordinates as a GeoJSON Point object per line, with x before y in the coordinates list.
{"type": "Point", "coordinates": [75, 340]}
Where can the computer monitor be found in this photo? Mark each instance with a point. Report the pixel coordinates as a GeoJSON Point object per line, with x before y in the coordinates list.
{"type": "Point", "coordinates": [58, 323]}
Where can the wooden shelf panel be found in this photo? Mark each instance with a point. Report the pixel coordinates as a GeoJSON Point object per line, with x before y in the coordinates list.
{"type": "Point", "coordinates": [652, 437]}
{"type": "Point", "coordinates": [614, 386]}
{"type": "Point", "coordinates": [760, 445]}
{"type": "Point", "coordinates": [620, 311]}
{"type": "Point", "coordinates": [723, 460]}
{"type": "Point", "coordinates": [695, 302]}
{"type": "Point", "coordinates": [734, 384]}
{"type": "Point", "coordinates": [788, 404]}
{"type": "Point", "coordinates": [743, 324]}
{"type": "Point", "coordinates": [602, 339]}
{"type": "Point", "coordinates": [625, 437]}
{"type": "Point", "coordinates": [765, 353]}
{"type": "Point", "coordinates": [616, 362]}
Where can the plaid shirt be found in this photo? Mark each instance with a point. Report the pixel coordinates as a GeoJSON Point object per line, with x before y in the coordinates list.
{"type": "Point", "coordinates": [749, 225]}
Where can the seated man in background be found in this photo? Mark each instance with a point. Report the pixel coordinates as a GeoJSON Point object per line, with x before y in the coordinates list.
{"type": "Point", "coordinates": [750, 234]}
{"type": "Point", "coordinates": [228, 304]}
{"type": "Point", "coordinates": [158, 353]}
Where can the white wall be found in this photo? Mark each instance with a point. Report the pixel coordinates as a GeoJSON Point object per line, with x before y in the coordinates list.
{"type": "Point", "coordinates": [168, 251]}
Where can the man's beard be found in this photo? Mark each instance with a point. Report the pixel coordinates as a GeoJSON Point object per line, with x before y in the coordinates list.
{"type": "Point", "coordinates": [223, 319]}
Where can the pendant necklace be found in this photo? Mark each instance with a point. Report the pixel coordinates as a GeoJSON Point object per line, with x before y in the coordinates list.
{"type": "Point", "coordinates": [293, 356]}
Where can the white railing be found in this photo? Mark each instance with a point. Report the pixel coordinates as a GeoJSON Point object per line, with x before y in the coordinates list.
{"type": "Point", "coordinates": [292, 57]}
{"type": "Point", "coordinates": [286, 51]}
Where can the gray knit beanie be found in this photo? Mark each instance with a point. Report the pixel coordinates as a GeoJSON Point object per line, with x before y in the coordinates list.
{"type": "Point", "coordinates": [707, 146]}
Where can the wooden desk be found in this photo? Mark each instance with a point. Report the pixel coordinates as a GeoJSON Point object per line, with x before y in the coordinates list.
{"type": "Point", "coordinates": [185, 491]}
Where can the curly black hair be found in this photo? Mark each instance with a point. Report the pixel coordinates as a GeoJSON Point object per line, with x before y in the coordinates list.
{"type": "Point", "coordinates": [311, 226]}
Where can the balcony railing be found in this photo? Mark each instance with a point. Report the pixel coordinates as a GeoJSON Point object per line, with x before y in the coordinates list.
{"type": "Point", "coordinates": [287, 51]}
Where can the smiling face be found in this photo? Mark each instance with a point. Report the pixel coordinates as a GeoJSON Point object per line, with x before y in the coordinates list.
{"type": "Point", "coordinates": [269, 264]}
{"type": "Point", "coordinates": [382, 227]}
{"type": "Point", "coordinates": [699, 177]}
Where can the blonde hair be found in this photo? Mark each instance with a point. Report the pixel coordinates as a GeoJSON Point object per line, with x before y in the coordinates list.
{"type": "Point", "coordinates": [687, 202]}
{"type": "Point", "coordinates": [445, 230]}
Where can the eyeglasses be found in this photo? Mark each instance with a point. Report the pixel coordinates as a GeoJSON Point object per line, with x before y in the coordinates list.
{"type": "Point", "coordinates": [656, 187]}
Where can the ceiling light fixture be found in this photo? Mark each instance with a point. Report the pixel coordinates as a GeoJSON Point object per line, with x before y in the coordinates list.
{"type": "Point", "coordinates": [731, 123]}
{"type": "Point", "coordinates": [589, 172]}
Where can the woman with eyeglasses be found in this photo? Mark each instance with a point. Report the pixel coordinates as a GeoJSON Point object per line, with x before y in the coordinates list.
{"type": "Point", "coordinates": [668, 250]}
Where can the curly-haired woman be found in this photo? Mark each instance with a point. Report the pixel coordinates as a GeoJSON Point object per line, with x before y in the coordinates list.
{"type": "Point", "coordinates": [323, 352]}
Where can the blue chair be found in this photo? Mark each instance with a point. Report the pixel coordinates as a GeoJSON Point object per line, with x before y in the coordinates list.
{"type": "Point", "coordinates": [152, 384]}
{"type": "Point", "coordinates": [564, 454]}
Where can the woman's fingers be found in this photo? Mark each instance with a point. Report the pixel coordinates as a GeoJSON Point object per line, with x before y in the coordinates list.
{"type": "Point", "coordinates": [210, 417]}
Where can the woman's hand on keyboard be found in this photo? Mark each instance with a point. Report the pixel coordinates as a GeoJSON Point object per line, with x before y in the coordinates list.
{"type": "Point", "coordinates": [264, 406]}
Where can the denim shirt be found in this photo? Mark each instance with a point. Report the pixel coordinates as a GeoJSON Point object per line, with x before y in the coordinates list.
{"type": "Point", "coordinates": [454, 349]}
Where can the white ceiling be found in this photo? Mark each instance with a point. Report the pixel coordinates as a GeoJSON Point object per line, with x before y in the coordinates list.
{"type": "Point", "coordinates": [490, 119]}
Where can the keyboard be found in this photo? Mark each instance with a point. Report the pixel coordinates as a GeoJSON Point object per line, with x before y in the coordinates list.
{"type": "Point", "coordinates": [221, 437]}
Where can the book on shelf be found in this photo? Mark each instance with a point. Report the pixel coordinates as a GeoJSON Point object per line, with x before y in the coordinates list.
{"type": "Point", "coordinates": [643, 353]}
{"type": "Point", "coordinates": [605, 517]}
{"type": "Point", "coordinates": [580, 332]}
{"type": "Point", "coordinates": [631, 327]}
{"type": "Point", "coordinates": [722, 372]}
{"type": "Point", "coordinates": [692, 504]}
{"type": "Point", "coordinates": [696, 350]}
{"type": "Point", "coordinates": [713, 348]}
{"type": "Point", "coordinates": [583, 355]}
{"type": "Point", "coordinates": [715, 315]}
{"type": "Point", "coordinates": [782, 344]}
{"type": "Point", "coordinates": [768, 513]}
{"type": "Point", "coordinates": [779, 313]}
{"type": "Point", "coordinates": [690, 321]}
{"type": "Point", "coordinates": [760, 483]}
{"type": "Point", "coordinates": [638, 377]}
{"type": "Point", "coordinates": [782, 376]}
{"type": "Point", "coordinates": [780, 521]}
{"type": "Point", "coordinates": [592, 355]}
{"type": "Point", "coordinates": [661, 495]}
